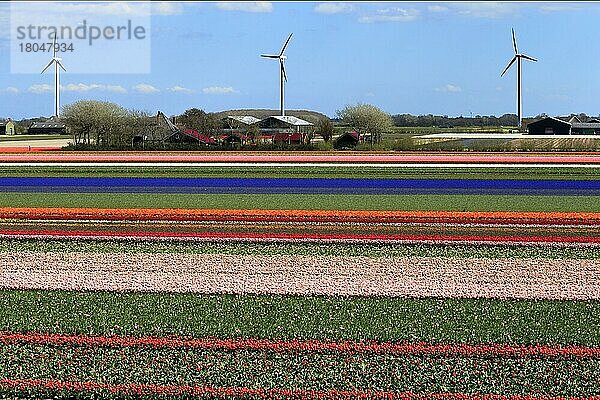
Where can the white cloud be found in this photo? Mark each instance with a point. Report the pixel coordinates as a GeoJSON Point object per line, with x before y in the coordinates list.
{"type": "Point", "coordinates": [487, 9]}
{"type": "Point", "coordinates": [114, 88]}
{"type": "Point", "coordinates": [394, 14]}
{"type": "Point", "coordinates": [11, 90]}
{"type": "Point", "coordinates": [333, 8]}
{"type": "Point", "coordinates": [166, 8]}
{"type": "Point", "coordinates": [449, 88]}
{"type": "Point", "coordinates": [119, 8]}
{"type": "Point", "coordinates": [145, 88]}
{"type": "Point", "coordinates": [45, 88]}
{"type": "Point", "coordinates": [180, 89]}
{"type": "Point", "coordinates": [437, 8]}
{"type": "Point", "coordinates": [219, 90]}
{"type": "Point", "coordinates": [547, 8]}
{"type": "Point", "coordinates": [82, 87]}
{"type": "Point", "coordinates": [246, 6]}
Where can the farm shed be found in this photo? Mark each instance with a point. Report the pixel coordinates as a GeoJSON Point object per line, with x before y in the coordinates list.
{"type": "Point", "coordinates": [47, 128]}
{"type": "Point", "coordinates": [585, 128]}
{"type": "Point", "coordinates": [230, 139]}
{"type": "Point", "coordinates": [239, 122]}
{"type": "Point", "coordinates": [347, 140]}
{"type": "Point", "coordinates": [285, 128]}
{"type": "Point", "coordinates": [549, 126]}
{"type": "Point", "coordinates": [190, 136]}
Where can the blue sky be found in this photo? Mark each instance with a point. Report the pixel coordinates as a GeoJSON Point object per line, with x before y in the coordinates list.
{"type": "Point", "coordinates": [419, 58]}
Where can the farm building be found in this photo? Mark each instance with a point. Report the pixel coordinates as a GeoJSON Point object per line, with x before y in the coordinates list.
{"type": "Point", "coordinates": [557, 126]}
{"type": "Point", "coordinates": [347, 140]}
{"type": "Point", "coordinates": [231, 139]}
{"type": "Point", "coordinates": [47, 128]}
{"type": "Point", "coordinates": [7, 128]}
{"type": "Point", "coordinates": [285, 129]}
{"type": "Point", "coordinates": [190, 136]}
{"type": "Point", "coordinates": [585, 128]}
{"type": "Point", "coordinates": [235, 122]}
{"type": "Point", "coordinates": [238, 129]}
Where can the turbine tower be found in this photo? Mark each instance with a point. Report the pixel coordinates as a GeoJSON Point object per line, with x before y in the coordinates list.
{"type": "Point", "coordinates": [57, 63]}
{"type": "Point", "coordinates": [518, 57]}
{"type": "Point", "coordinates": [282, 76]}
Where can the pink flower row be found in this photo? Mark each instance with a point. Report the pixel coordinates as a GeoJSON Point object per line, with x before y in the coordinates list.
{"type": "Point", "coordinates": [307, 236]}
{"type": "Point", "coordinates": [592, 158]}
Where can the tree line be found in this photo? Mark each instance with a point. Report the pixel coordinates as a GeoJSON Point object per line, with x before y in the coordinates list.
{"type": "Point", "coordinates": [444, 121]}
{"type": "Point", "coordinates": [106, 124]}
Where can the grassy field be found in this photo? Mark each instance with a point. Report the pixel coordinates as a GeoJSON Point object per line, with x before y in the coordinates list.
{"type": "Point", "coordinates": [408, 131]}
{"type": "Point", "coordinates": [290, 317]}
{"type": "Point", "coordinates": [304, 201]}
{"type": "Point", "coordinates": [18, 138]}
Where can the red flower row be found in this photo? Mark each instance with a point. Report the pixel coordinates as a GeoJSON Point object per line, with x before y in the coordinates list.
{"type": "Point", "coordinates": [263, 393]}
{"type": "Point", "coordinates": [450, 217]}
{"type": "Point", "coordinates": [504, 350]}
{"type": "Point", "coordinates": [305, 237]}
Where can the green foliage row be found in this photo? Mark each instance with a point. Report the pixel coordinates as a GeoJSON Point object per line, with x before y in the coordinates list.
{"type": "Point", "coordinates": [302, 317]}
{"type": "Point", "coordinates": [129, 246]}
{"type": "Point", "coordinates": [306, 172]}
{"type": "Point", "coordinates": [319, 371]}
{"type": "Point", "coordinates": [18, 138]}
{"type": "Point", "coordinates": [304, 201]}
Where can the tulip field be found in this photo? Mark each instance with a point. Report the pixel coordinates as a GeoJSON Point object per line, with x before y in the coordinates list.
{"type": "Point", "coordinates": [295, 276]}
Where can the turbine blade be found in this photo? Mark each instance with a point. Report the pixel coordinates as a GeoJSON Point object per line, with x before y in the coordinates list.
{"type": "Point", "coordinates": [54, 45]}
{"type": "Point", "coordinates": [60, 65]}
{"type": "Point", "coordinates": [285, 45]}
{"type": "Point", "coordinates": [514, 41]}
{"type": "Point", "coordinates": [283, 70]}
{"type": "Point", "coordinates": [47, 66]}
{"type": "Point", "coordinates": [269, 56]}
{"type": "Point", "coordinates": [525, 56]}
{"type": "Point", "coordinates": [509, 65]}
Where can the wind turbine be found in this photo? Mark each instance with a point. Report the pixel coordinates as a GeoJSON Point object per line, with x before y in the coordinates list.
{"type": "Point", "coordinates": [518, 57]}
{"type": "Point", "coordinates": [57, 63]}
{"type": "Point", "coordinates": [282, 76]}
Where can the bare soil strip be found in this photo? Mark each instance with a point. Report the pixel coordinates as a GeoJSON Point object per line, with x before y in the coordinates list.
{"type": "Point", "coordinates": [304, 275]}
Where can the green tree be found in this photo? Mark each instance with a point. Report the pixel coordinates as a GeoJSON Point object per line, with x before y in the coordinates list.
{"type": "Point", "coordinates": [201, 121]}
{"type": "Point", "coordinates": [252, 132]}
{"type": "Point", "coordinates": [138, 123]}
{"type": "Point", "coordinates": [324, 127]}
{"type": "Point", "coordinates": [101, 122]}
{"type": "Point", "coordinates": [366, 119]}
